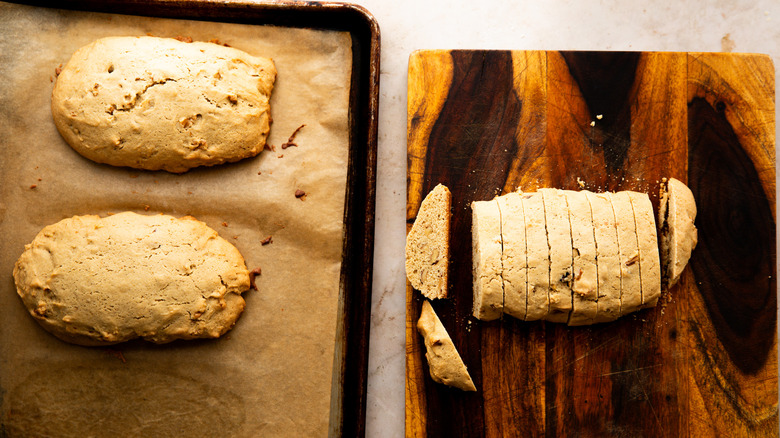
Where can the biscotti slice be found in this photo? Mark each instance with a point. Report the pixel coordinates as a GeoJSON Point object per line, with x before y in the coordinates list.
{"type": "Point", "coordinates": [608, 257]}
{"type": "Point", "coordinates": [678, 232]}
{"type": "Point", "coordinates": [513, 257]}
{"type": "Point", "coordinates": [584, 271]}
{"type": "Point", "coordinates": [556, 213]}
{"type": "Point", "coordinates": [630, 283]}
{"type": "Point", "coordinates": [99, 281]}
{"type": "Point", "coordinates": [649, 260]}
{"type": "Point", "coordinates": [486, 259]}
{"type": "Point", "coordinates": [158, 103]}
{"type": "Point", "coordinates": [444, 362]}
{"type": "Point", "coordinates": [428, 245]}
{"type": "Point", "coordinates": [538, 299]}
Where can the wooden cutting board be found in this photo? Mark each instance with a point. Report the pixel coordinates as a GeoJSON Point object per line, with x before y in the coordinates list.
{"type": "Point", "coordinates": [702, 363]}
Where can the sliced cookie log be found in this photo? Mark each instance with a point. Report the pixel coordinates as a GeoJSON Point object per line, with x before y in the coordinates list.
{"type": "Point", "coordinates": [487, 269]}
{"type": "Point", "coordinates": [649, 260]}
{"type": "Point", "coordinates": [513, 258]}
{"type": "Point", "coordinates": [427, 245]}
{"type": "Point", "coordinates": [608, 257]}
{"type": "Point", "coordinates": [556, 213]}
{"type": "Point", "coordinates": [584, 270]}
{"type": "Point", "coordinates": [444, 362]}
{"type": "Point", "coordinates": [678, 232]}
{"type": "Point", "coordinates": [538, 301]}
{"type": "Point", "coordinates": [630, 283]}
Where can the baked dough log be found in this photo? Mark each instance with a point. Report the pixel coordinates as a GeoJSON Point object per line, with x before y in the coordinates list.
{"type": "Point", "coordinates": [649, 260]}
{"type": "Point", "coordinates": [678, 232]}
{"type": "Point", "coordinates": [98, 281]}
{"type": "Point", "coordinates": [538, 301]}
{"type": "Point", "coordinates": [428, 244]}
{"type": "Point", "coordinates": [608, 257]}
{"type": "Point", "coordinates": [158, 103]}
{"type": "Point", "coordinates": [487, 269]}
{"type": "Point", "coordinates": [556, 214]}
{"type": "Point", "coordinates": [585, 269]}
{"type": "Point", "coordinates": [513, 257]}
{"type": "Point", "coordinates": [444, 362]}
{"type": "Point", "coordinates": [628, 245]}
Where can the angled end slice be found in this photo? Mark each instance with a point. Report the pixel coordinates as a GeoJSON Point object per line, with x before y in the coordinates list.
{"type": "Point", "coordinates": [487, 247]}
{"type": "Point", "coordinates": [444, 362]}
{"type": "Point", "coordinates": [678, 232]}
{"type": "Point", "coordinates": [427, 245]}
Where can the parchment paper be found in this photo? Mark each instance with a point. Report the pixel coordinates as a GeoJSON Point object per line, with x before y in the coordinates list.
{"type": "Point", "coordinates": [272, 375]}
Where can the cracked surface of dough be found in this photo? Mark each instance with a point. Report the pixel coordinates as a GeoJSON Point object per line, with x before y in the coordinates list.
{"type": "Point", "coordinates": [99, 281]}
{"type": "Point", "coordinates": [158, 103]}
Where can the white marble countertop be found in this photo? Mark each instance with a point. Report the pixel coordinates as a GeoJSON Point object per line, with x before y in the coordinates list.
{"type": "Point", "coordinates": [408, 25]}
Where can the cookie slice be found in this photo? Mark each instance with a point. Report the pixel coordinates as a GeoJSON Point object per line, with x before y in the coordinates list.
{"type": "Point", "coordinates": [538, 301]}
{"type": "Point", "coordinates": [584, 270]}
{"type": "Point", "coordinates": [678, 232]}
{"type": "Point", "coordinates": [513, 257]}
{"type": "Point", "coordinates": [649, 260]}
{"type": "Point", "coordinates": [628, 245]}
{"type": "Point", "coordinates": [556, 214]}
{"type": "Point", "coordinates": [428, 245]}
{"type": "Point", "coordinates": [608, 257]}
{"type": "Point", "coordinates": [444, 362]}
{"type": "Point", "coordinates": [486, 263]}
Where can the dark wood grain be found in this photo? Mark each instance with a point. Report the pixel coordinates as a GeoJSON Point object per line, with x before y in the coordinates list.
{"type": "Point", "coordinates": [606, 121]}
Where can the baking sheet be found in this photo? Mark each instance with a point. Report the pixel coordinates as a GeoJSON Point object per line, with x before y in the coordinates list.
{"type": "Point", "coordinates": [272, 375]}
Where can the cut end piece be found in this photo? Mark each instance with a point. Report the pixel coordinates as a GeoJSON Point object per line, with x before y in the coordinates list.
{"type": "Point", "coordinates": [678, 232]}
{"type": "Point", "coordinates": [444, 362]}
{"type": "Point", "coordinates": [427, 245]}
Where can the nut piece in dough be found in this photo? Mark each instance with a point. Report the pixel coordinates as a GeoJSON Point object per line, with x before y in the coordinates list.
{"type": "Point", "coordinates": [444, 362]}
{"type": "Point", "coordinates": [158, 103]}
{"type": "Point", "coordinates": [678, 232]}
{"type": "Point", "coordinates": [99, 281]}
{"type": "Point", "coordinates": [428, 245]}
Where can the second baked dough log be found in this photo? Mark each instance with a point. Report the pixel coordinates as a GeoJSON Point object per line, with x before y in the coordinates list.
{"type": "Point", "coordinates": [158, 103]}
{"type": "Point", "coordinates": [487, 269]}
{"type": "Point", "coordinates": [99, 281]}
